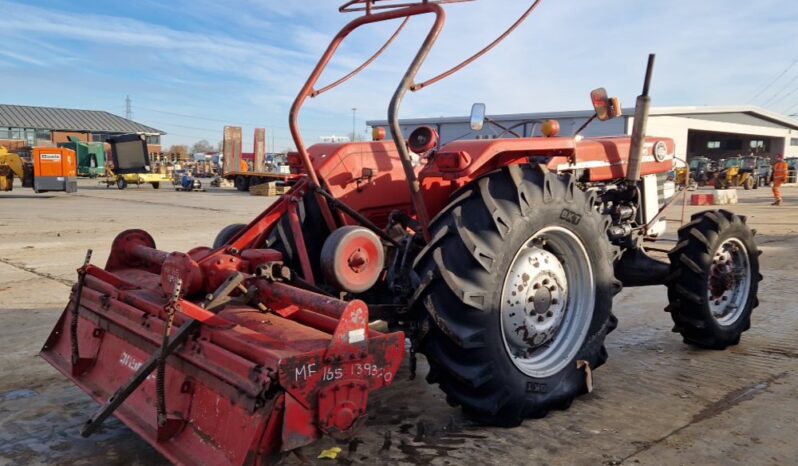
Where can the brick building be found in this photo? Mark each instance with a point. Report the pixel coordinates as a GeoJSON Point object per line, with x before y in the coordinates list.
{"type": "Point", "coordinates": [37, 126]}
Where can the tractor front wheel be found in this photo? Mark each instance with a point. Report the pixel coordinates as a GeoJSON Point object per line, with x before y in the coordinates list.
{"type": "Point", "coordinates": [121, 183]}
{"type": "Point", "coordinates": [712, 287]}
{"type": "Point", "coordinates": [515, 295]}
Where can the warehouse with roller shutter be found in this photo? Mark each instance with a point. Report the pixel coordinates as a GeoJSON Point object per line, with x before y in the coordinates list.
{"type": "Point", "coordinates": [711, 131]}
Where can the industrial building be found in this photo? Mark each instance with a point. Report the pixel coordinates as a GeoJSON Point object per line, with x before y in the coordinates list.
{"type": "Point", "coordinates": [712, 131]}
{"type": "Point", "coordinates": [35, 126]}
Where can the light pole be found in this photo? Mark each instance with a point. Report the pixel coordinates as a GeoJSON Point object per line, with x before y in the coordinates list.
{"type": "Point", "coordinates": [354, 134]}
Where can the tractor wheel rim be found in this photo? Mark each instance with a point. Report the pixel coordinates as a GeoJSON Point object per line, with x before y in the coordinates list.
{"type": "Point", "coordinates": [729, 282]}
{"type": "Point", "coordinates": [547, 302]}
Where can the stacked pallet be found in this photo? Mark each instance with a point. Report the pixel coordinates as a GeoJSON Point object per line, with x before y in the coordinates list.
{"type": "Point", "coordinates": [272, 188]}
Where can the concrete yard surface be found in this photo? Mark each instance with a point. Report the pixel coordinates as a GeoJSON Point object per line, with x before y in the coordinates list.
{"type": "Point", "coordinates": [656, 402]}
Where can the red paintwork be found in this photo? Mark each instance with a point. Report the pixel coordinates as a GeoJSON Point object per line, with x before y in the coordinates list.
{"type": "Point", "coordinates": [396, 11]}
{"type": "Point", "coordinates": [279, 365]}
{"type": "Point", "coordinates": [459, 163]}
{"type": "Point", "coordinates": [250, 384]}
{"type": "Point", "coordinates": [341, 166]}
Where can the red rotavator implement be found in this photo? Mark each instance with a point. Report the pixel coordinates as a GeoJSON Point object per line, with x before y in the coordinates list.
{"type": "Point", "coordinates": [497, 258]}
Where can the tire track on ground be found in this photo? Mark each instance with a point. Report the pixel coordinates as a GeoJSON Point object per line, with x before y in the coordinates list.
{"type": "Point", "coordinates": [46, 275]}
{"type": "Point", "coordinates": [140, 201]}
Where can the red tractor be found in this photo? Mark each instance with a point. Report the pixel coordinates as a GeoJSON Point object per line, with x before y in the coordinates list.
{"type": "Point", "coordinates": [496, 259]}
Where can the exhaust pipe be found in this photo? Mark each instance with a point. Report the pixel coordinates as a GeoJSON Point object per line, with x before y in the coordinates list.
{"type": "Point", "coordinates": [639, 129]}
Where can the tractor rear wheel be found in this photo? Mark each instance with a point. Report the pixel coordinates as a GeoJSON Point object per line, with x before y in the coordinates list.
{"type": "Point", "coordinates": [714, 279]}
{"type": "Point", "coordinates": [748, 183]}
{"type": "Point", "coordinates": [515, 295]}
{"type": "Point", "coordinates": [226, 234]}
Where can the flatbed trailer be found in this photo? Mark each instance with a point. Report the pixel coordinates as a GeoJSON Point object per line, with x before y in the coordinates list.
{"type": "Point", "coordinates": [138, 179]}
{"type": "Point", "coordinates": [243, 180]}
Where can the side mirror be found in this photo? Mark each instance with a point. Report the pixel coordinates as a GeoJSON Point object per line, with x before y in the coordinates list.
{"type": "Point", "coordinates": [606, 108]}
{"type": "Point", "coordinates": [477, 117]}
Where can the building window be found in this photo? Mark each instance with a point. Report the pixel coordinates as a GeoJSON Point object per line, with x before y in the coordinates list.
{"type": "Point", "coordinates": [154, 139]}
{"type": "Point", "coordinates": [793, 141]}
{"type": "Point", "coordinates": [99, 137]}
{"type": "Point", "coordinates": [713, 144]}
{"type": "Point", "coordinates": [757, 144]}
{"type": "Point", "coordinates": [43, 134]}
{"type": "Point", "coordinates": [30, 136]}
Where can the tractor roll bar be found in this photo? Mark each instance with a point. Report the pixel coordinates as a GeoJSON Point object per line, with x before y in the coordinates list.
{"type": "Point", "coordinates": [478, 55]}
{"type": "Point", "coordinates": [365, 63]}
{"type": "Point", "coordinates": [307, 90]}
{"type": "Point", "coordinates": [387, 13]}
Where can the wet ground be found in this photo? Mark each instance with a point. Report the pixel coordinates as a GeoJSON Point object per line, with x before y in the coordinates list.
{"type": "Point", "coordinates": [657, 401]}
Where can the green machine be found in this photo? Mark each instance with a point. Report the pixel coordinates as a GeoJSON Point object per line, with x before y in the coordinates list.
{"type": "Point", "coordinates": [91, 156]}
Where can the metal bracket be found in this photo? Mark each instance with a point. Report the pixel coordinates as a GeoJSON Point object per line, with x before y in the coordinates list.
{"type": "Point", "coordinates": [79, 365]}
{"type": "Point", "coordinates": [167, 425]}
{"type": "Point", "coordinates": [215, 301]}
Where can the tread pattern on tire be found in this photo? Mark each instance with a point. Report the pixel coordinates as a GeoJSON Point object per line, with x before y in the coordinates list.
{"type": "Point", "coordinates": [687, 282]}
{"type": "Point", "coordinates": [459, 284]}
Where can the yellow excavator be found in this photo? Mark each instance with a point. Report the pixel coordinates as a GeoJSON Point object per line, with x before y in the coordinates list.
{"type": "Point", "coordinates": [12, 164]}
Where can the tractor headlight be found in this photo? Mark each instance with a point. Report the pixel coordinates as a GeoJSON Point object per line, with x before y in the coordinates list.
{"type": "Point", "coordinates": [660, 151]}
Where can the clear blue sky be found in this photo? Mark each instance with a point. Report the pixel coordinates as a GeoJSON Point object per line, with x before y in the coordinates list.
{"type": "Point", "coordinates": [191, 66]}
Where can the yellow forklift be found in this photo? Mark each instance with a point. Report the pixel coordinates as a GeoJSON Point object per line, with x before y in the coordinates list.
{"type": "Point", "coordinates": [731, 175]}
{"type": "Point", "coordinates": [12, 165]}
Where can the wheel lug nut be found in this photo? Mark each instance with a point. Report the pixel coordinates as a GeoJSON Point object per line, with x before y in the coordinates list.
{"type": "Point", "coordinates": [549, 314]}
{"type": "Point", "coordinates": [540, 318]}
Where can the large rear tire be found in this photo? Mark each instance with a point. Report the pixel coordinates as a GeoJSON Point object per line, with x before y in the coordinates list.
{"type": "Point", "coordinates": [515, 295]}
{"type": "Point", "coordinates": [714, 279]}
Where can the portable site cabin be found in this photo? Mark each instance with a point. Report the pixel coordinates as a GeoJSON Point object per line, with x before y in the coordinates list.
{"type": "Point", "coordinates": [54, 169]}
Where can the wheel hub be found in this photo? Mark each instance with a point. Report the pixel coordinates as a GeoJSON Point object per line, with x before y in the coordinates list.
{"type": "Point", "coordinates": [729, 281]}
{"type": "Point", "coordinates": [537, 304]}
{"type": "Point", "coordinates": [546, 307]}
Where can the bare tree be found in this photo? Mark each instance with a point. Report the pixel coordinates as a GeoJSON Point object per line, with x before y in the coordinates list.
{"type": "Point", "coordinates": [202, 146]}
{"type": "Point", "coordinates": [177, 152]}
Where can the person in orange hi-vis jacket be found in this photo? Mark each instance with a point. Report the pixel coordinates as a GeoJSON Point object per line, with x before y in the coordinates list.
{"type": "Point", "coordinates": [779, 177]}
